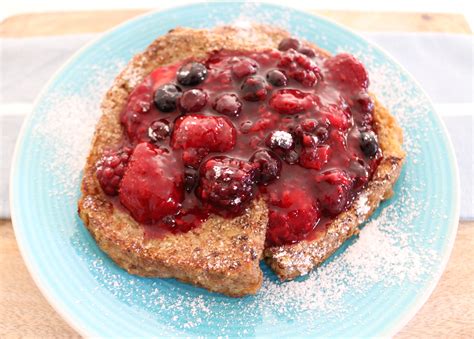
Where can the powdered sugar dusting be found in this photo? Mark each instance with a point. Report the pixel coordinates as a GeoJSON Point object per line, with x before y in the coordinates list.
{"type": "Point", "coordinates": [68, 126]}
{"type": "Point", "coordinates": [362, 207]}
{"type": "Point", "coordinates": [389, 251]}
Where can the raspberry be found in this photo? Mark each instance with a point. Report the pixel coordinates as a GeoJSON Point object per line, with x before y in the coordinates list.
{"type": "Point", "coordinates": [293, 215]}
{"type": "Point", "coordinates": [334, 185]}
{"type": "Point", "coordinates": [336, 117]}
{"type": "Point", "coordinates": [244, 67]}
{"type": "Point", "coordinates": [364, 109]}
{"type": "Point", "coordinates": [269, 166]}
{"type": "Point", "coordinates": [308, 140]}
{"type": "Point", "coordinates": [226, 182]}
{"type": "Point", "coordinates": [141, 98]}
{"type": "Point", "coordinates": [291, 101]}
{"type": "Point", "coordinates": [347, 71]}
{"type": "Point", "coordinates": [136, 111]}
{"type": "Point", "coordinates": [301, 68]}
{"type": "Point", "coordinates": [314, 157]}
{"type": "Point", "coordinates": [110, 169]}
{"type": "Point", "coordinates": [335, 177]}
{"type": "Point", "coordinates": [215, 134]}
{"type": "Point", "coordinates": [309, 125]}
{"type": "Point", "coordinates": [152, 187]}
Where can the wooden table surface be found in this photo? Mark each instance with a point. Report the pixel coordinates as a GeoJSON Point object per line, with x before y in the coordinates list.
{"type": "Point", "coordinates": [24, 312]}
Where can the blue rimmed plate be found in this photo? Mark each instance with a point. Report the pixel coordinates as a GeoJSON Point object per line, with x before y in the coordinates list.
{"type": "Point", "coordinates": [371, 286]}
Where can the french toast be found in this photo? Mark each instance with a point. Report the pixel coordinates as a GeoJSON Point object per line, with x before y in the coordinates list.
{"type": "Point", "coordinates": [223, 253]}
{"type": "Point", "coordinates": [291, 261]}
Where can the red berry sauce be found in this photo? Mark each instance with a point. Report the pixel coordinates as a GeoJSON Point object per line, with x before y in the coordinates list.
{"type": "Point", "coordinates": [290, 126]}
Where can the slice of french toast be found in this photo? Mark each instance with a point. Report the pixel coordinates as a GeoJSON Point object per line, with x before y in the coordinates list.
{"type": "Point", "coordinates": [222, 254]}
{"type": "Point", "coordinates": [291, 261]}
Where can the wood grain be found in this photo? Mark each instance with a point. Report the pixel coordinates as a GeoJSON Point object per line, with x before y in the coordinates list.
{"type": "Point", "coordinates": [27, 25]}
{"type": "Point", "coordinates": [449, 312]}
{"type": "Point", "coordinates": [23, 309]}
{"type": "Point", "coordinates": [24, 312]}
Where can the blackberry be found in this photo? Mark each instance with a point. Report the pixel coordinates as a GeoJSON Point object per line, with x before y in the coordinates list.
{"type": "Point", "coordinates": [110, 169]}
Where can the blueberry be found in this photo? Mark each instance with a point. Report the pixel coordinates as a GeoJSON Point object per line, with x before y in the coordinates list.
{"type": "Point", "coordinates": [269, 165]}
{"type": "Point", "coordinates": [159, 130]}
{"type": "Point", "coordinates": [307, 51]}
{"type": "Point", "coordinates": [190, 179]}
{"type": "Point", "coordinates": [322, 133]}
{"type": "Point", "coordinates": [283, 144]}
{"type": "Point", "coordinates": [228, 104]}
{"type": "Point", "coordinates": [280, 140]}
{"type": "Point", "coordinates": [277, 78]}
{"type": "Point", "coordinates": [166, 97]}
{"type": "Point", "coordinates": [254, 88]}
{"type": "Point", "coordinates": [288, 43]}
{"type": "Point", "coordinates": [192, 74]}
{"type": "Point", "coordinates": [291, 157]}
{"type": "Point", "coordinates": [369, 144]}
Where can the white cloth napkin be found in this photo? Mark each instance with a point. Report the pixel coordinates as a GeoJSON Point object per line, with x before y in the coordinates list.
{"type": "Point", "coordinates": [446, 74]}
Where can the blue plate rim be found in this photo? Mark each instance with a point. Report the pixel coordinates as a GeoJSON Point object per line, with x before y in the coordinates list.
{"type": "Point", "coordinates": [62, 309]}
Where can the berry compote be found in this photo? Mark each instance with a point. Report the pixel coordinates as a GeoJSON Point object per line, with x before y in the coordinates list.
{"type": "Point", "coordinates": [208, 136]}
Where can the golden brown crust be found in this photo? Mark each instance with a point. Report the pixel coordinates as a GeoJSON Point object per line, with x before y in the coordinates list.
{"type": "Point", "coordinates": [291, 261]}
{"type": "Point", "coordinates": [222, 255]}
